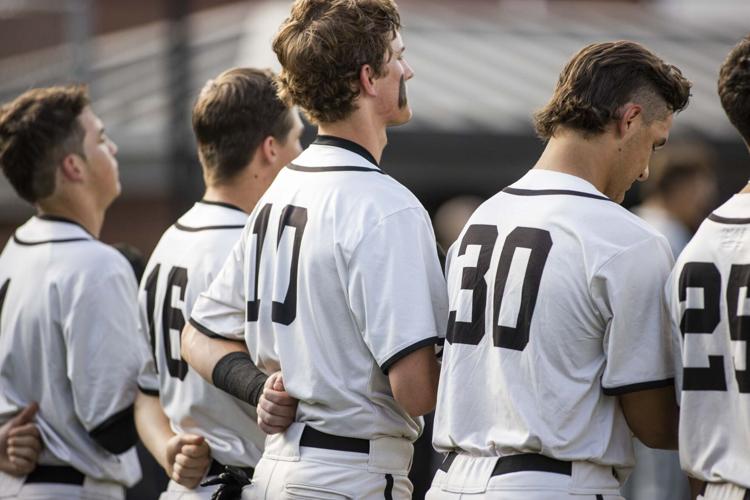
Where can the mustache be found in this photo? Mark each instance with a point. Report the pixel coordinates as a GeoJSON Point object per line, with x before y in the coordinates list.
{"type": "Point", "coordinates": [402, 99]}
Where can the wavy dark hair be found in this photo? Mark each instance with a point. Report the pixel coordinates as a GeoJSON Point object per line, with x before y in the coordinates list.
{"type": "Point", "coordinates": [38, 130]}
{"type": "Point", "coordinates": [601, 78]}
{"type": "Point", "coordinates": [323, 45]}
{"type": "Point", "coordinates": [734, 87]}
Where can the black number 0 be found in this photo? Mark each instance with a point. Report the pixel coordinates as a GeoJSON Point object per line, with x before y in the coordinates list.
{"type": "Point", "coordinates": [706, 277]}
{"type": "Point", "coordinates": [291, 216]}
{"type": "Point", "coordinates": [539, 242]}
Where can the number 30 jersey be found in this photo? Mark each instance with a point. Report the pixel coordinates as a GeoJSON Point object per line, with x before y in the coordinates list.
{"type": "Point", "coordinates": [709, 299]}
{"type": "Point", "coordinates": [185, 261]}
{"type": "Point", "coordinates": [556, 307]}
{"type": "Point", "coordinates": [335, 279]}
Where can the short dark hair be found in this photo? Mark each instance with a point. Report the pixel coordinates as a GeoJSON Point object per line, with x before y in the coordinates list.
{"type": "Point", "coordinates": [734, 87]}
{"type": "Point", "coordinates": [601, 78]}
{"type": "Point", "coordinates": [323, 45]}
{"type": "Point", "coordinates": [38, 130]}
{"type": "Point", "coordinates": [232, 116]}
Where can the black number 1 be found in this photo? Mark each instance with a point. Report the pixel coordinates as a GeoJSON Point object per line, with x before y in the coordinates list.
{"type": "Point", "coordinates": [3, 293]}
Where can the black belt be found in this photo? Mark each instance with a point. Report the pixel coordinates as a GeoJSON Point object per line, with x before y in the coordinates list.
{"type": "Point", "coordinates": [61, 474]}
{"type": "Point", "coordinates": [518, 463]}
{"type": "Point", "coordinates": [317, 439]}
{"type": "Point", "coordinates": [217, 468]}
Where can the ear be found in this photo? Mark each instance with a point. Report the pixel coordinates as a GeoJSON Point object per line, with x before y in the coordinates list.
{"type": "Point", "coordinates": [73, 168]}
{"type": "Point", "coordinates": [367, 80]}
{"type": "Point", "coordinates": [268, 150]}
{"type": "Point", "coordinates": [631, 115]}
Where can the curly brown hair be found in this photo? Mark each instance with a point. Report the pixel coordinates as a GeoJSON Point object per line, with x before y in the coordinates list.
{"type": "Point", "coordinates": [601, 78]}
{"type": "Point", "coordinates": [232, 116]}
{"type": "Point", "coordinates": [323, 45]}
{"type": "Point", "coordinates": [38, 130]}
{"type": "Point", "coordinates": [734, 87]}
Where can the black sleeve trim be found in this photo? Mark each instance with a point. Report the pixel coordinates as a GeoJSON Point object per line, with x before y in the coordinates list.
{"type": "Point", "coordinates": [117, 434]}
{"type": "Point", "coordinates": [205, 331]}
{"type": "Point", "coordinates": [149, 392]}
{"type": "Point", "coordinates": [406, 351]}
{"type": "Point", "coordinates": [642, 386]}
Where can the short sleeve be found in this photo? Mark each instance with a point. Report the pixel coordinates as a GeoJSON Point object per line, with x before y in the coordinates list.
{"type": "Point", "coordinates": [148, 378]}
{"type": "Point", "coordinates": [219, 312]}
{"type": "Point", "coordinates": [396, 288]}
{"type": "Point", "coordinates": [675, 315]}
{"type": "Point", "coordinates": [628, 290]}
{"type": "Point", "coordinates": [104, 351]}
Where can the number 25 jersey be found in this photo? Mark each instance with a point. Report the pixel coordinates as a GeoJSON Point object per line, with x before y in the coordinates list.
{"type": "Point", "coordinates": [708, 298]}
{"type": "Point", "coordinates": [556, 307]}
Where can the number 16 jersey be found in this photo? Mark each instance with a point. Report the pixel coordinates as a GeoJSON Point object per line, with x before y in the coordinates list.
{"type": "Point", "coordinates": [556, 307]}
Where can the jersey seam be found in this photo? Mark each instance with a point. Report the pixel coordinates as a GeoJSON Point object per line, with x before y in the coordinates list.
{"type": "Point", "coordinates": [615, 256]}
{"type": "Point", "coordinates": [638, 386]}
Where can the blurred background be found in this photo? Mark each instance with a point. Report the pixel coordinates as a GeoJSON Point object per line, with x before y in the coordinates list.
{"type": "Point", "coordinates": [482, 67]}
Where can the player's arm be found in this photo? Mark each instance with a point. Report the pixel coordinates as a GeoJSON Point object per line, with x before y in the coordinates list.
{"type": "Point", "coordinates": [653, 416]}
{"type": "Point", "coordinates": [184, 457]}
{"type": "Point", "coordinates": [414, 381]}
{"type": "Point", "coordinates": [227, 365]}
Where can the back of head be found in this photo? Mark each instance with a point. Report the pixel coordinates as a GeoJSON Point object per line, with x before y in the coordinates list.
{"type": "Point", "coordinates": [323, 45]}
{"type": "Point", "coordinates": [37, 131]}
{"type": "Point", "coordinates": [601, 78]}
{"type": "Point", "coordinates": [234, 113]}
{"type": "Point", "coordinates": [734, 87]}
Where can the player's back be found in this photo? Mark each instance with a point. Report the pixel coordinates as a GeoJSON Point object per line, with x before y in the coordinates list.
{"type": "Point", "coordinates": [347, 282]}
{"type": "Point", "coordinates": [184, 263]}
{"type": "Point", "coordinates": [707, 294]}
{"type": "Point", "coordinates": [541, 335]}
{"type": "Point", "coordinates": [68, 340]}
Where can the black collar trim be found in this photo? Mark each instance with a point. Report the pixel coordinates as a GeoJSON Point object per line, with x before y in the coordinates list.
{"type": "Point", "coordinates": [547, 192]}
{"type": "Point", "coordinates": [190, 229]}
{"type": "Point", "coordinates": [330, 140]}
{"type": "Point", "coordinates": [728, 220]}
{"type": "Point", "coordinates": [300, 168]}
{"type": "Point", "coordinates": [222, 204]}
{"type": "Point", "coordinates": [44, 242]}
{"type": "Point", "coordinates": [57, 218]}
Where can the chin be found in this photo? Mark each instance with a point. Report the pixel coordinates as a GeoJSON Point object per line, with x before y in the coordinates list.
{"type": "Point", "coordinates": [403, 117]}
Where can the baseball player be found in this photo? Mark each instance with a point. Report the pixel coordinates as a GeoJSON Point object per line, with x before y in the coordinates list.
{"type": "Point", "coordinates": [557, 347]}
{"type": "Point", "coordinates": [245, 134]}
{"type": "Point", "coordinates": [707, 297]}
{"type": "Point", "coordinates": [336, 280]}
{"type": "Point", "coordinates": [68, 331]}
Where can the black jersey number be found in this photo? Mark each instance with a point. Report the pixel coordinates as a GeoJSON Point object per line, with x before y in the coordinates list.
{"type": "Point", "coordinates": [291, 217]}
{"type": "Point", "coordinates": [3, 293]}
{"type": "Point", "coordinates": [705, 276]}
{"type": "Point", "coordinates": [172, 318]}
{"type": "Point", "coordinates": [538, 242]}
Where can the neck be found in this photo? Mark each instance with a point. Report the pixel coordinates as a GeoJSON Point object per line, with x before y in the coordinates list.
{"type": "Point", "coordinates": [243, 190]}
{"type": "Point", "coordinates": [569, 153]}
{"type": "Point", "coordinates": [77, 209]}
{"type": "Point", "coordinates": [359, 128]}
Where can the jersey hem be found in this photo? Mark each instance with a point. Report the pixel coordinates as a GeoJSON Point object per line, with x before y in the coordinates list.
{"type": "Point", "coordinates": [205, 331]}
{"type": "Point", "coordinates": [406, 351]}
{"type": "Point", "coordinates": [641, 386]}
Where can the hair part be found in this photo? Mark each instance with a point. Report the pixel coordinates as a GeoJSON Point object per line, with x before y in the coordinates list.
{"type": "Point", "coordinates": [233, 115]}
{"type": "Point", "coordinates": [601, 78]}
{"type": "Point", "coordinates": [322, 47]}
{"type": "Point", "coordinates": [38, 130]}
{"type": "Point", "coordinates": [734, 87]}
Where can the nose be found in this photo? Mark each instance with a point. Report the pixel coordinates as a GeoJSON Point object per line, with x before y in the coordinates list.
{"type": "Point", "coordinates": [112, 147]}
{"type": "Point", "coordinates": [408, 72]}
{"type": "Point", "coordinates": [644, 174]}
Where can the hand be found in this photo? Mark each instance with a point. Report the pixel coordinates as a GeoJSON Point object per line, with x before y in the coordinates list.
{"type": "Point", "coordinates": [188, 459]}
{"type": "Point", "coordinates": [276, 408]}
{"type": "Point", "coordinates": [20, 443]}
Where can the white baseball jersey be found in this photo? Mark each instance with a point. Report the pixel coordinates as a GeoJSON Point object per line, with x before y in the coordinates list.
{"type": "Point", "coordinates": [708, 300]}
{"type": "Point", "coordinates": [183, 264]}
{"type": "Point", "coordinates": [336, 278]}
{"type": "Point", "coordinates": [556, 307]}
{"type": "Point", "coordinates": [69, 340]}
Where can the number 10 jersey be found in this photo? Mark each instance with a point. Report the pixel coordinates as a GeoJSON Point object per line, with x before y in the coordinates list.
{"type": "Point", "coordinates": [708, 298]}
{"type": "Point", "coordinates": [556, 307]}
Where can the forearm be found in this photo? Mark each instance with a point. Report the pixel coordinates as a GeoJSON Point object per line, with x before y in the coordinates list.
{"type": "Point", "coordinates": [202, 352]}
{"type": "Point", "coordinates": [153, 427]}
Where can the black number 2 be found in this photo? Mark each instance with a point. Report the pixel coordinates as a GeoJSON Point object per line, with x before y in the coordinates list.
{"type": "Point", "coordinates": [172, 318]}
{"type": "Point", "coordinates": [706, 277]}
{"type": "Point", "coordinates": [291, 216]}
{"type": "Point", "coordinates": [539, 243]}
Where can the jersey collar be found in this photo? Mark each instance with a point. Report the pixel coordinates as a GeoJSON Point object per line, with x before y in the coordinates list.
{"type": "Point", "coordinates": [42, 229]}
{"type": "Point", "coordinates": [538, 182]}
{"type": "Point", "coordinates": [330, 140]}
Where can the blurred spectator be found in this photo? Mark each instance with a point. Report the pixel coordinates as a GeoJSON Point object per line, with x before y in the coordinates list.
{"type": "Point", "coordinates": [451, 216]}
{"type": "Point", "coordinates": [680, 192]}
